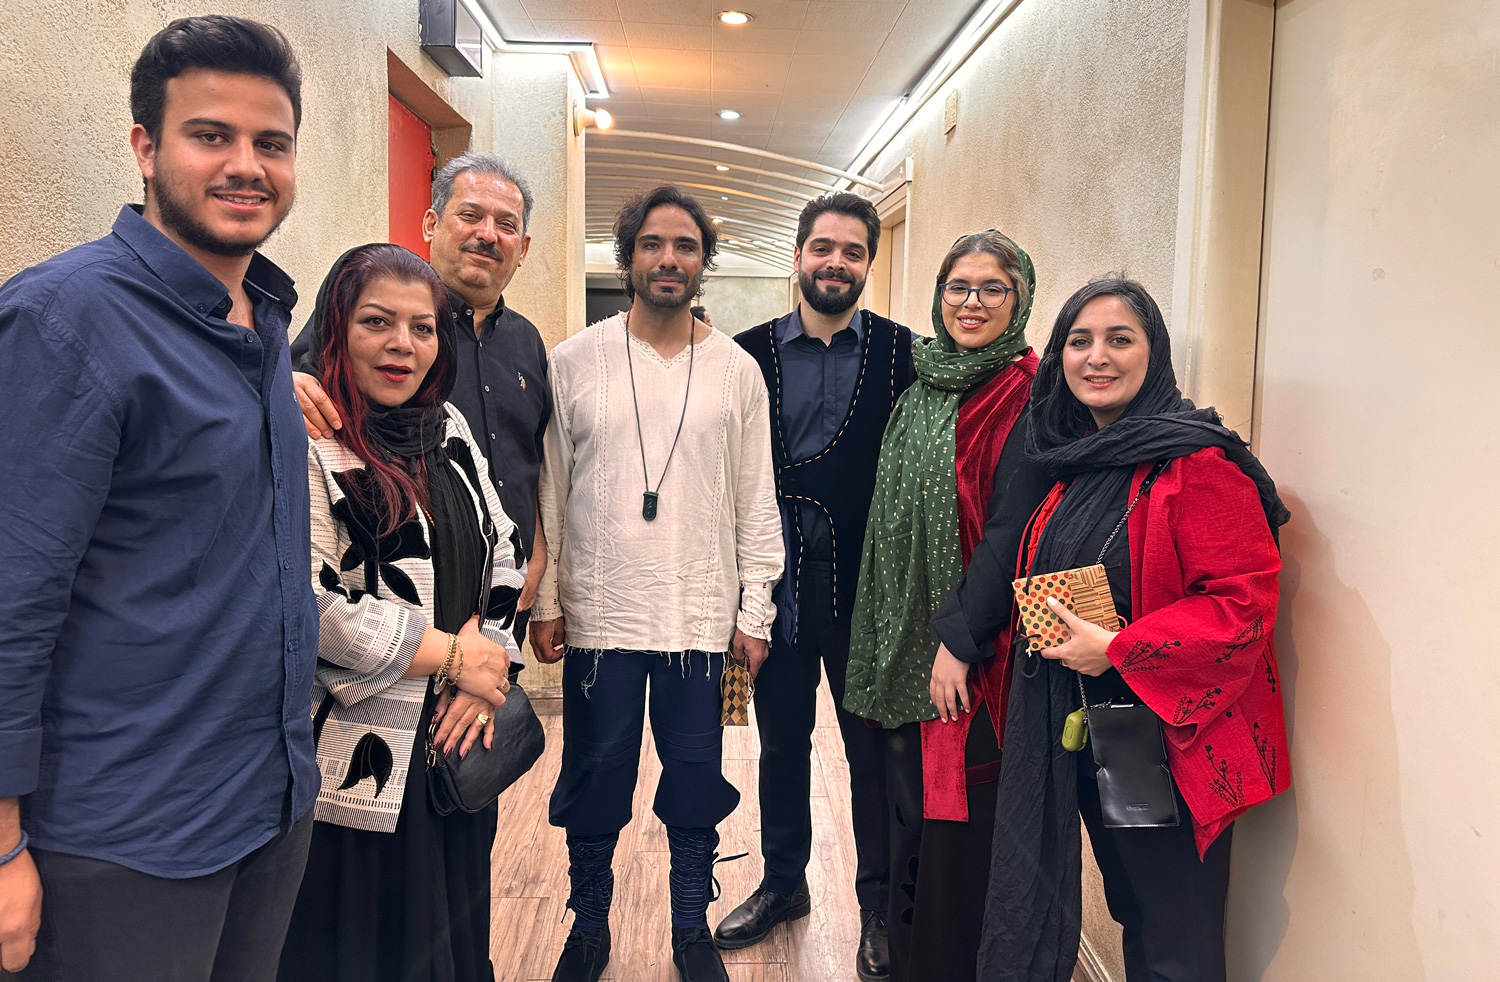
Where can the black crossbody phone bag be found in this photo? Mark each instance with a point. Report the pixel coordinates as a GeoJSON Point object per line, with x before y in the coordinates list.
{"type": "Point", "coordinates": [1135, 785]}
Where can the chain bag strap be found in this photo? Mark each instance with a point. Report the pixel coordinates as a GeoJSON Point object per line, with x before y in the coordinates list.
{"type": "Point", "coordinates": [1135, 784]}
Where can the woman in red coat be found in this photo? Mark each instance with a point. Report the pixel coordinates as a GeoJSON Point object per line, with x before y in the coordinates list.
{"type": "Point", "coordinates": [1182, 517]}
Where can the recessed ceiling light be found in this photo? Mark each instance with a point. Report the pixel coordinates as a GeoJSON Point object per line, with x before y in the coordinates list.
{"type": "Point", "coordinates": [718, 221]}
{"type": "Point", "coordinates": [735, 17]}
{"type": "Point", "coordinates": [728, 115]}
{"type": "Point", "coordinates": [720, 167]}
{"type": "Point", "coordinates": [723, 197]}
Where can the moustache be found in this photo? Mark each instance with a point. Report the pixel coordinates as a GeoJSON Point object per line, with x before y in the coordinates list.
{"type": "Point", "coordinates": [836, 275]}
{"type": "Point", "coordinates": [483, 249]}
{"type": "Point", "coordinates": [237, 185]}
{"type": "Point", "coordinates": [672, 277]}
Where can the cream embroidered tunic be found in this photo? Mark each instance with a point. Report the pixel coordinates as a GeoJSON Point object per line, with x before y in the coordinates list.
{"type": "Point", "coordinates": [708, 561]}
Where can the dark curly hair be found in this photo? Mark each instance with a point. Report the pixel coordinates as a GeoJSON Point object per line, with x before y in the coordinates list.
{"type": "Point", "coordinates": [632, 216]}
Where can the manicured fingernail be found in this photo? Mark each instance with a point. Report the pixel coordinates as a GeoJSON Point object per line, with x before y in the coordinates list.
{"type": "Point", "coordinates": [1052, 601]}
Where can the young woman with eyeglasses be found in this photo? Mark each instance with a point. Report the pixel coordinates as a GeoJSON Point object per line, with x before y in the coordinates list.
{"type": "Point", "coordinates": [953, 488]}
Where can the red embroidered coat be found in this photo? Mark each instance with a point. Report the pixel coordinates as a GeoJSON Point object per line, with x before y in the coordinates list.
{"type": "Point", "coordinates": [1198, 649]}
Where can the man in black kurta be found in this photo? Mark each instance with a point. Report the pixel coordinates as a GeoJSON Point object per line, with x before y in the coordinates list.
{"type": "Point", "coordinates": [833, 373]}
{"type": "Point", "coordinates": [481, 207]}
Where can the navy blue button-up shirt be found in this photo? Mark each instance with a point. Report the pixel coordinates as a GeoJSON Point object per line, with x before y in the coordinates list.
{"type": "Point", "coordinates": [158, 628]}
{"type": "Point", "coordinates": [817, 384]}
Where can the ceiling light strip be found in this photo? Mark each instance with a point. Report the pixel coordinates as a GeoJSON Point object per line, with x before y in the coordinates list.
{"type": "Point", "coordinates": [595, 150]}
{"type": "Point", "coordinates": [617, 169]}
{"type": "Point", "coordinates": [694, 141]}
{"type": "Point", "coordinates": [593, 85]}
{"type": "Point", "coordinates": [781, 207]}
{"type": "Point", "coordinates": [957, 51]}
{"type": "Point", "coordinates": [581, 53]}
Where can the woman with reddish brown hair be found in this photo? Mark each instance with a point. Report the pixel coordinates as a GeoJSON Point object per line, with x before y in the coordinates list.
{"type": "Point", "coordinates": [407, 532]}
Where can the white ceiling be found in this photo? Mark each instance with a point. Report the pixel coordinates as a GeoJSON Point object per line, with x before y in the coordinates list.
{"type": "Point", "coordinates": [811, 78]}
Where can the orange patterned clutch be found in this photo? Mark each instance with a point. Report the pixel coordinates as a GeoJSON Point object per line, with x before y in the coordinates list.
{"type": "Point", "coordinates": [1084, 591]}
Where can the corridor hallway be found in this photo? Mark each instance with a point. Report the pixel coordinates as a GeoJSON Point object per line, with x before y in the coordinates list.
{"type": "Point", "coordinates": [1307, 188]}
{"type": "Point", "coordinates": [530, 873]}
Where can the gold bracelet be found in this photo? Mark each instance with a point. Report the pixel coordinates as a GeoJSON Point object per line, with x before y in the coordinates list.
{"type": "Point", "coordinates": [458, 669]}
{"type": "Point", "coordinates": [440, 679]}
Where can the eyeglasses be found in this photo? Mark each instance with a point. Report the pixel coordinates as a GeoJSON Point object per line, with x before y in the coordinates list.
{"type": "Point", "coordinates": [990, 295]}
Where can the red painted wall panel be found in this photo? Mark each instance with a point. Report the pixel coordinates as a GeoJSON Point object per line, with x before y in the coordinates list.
{"type": "Point", "coordinates": [410, 183]}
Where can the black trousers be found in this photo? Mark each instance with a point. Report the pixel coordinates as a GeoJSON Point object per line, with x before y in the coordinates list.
{"type": "Point", "coordinates": [105, 923]}
{"type": "Point", "coordinates": [940, 869]}
{"type": "Point", "coordinates": [1170, 903]}
{"type": "Point", "coordinates": [786, 706]}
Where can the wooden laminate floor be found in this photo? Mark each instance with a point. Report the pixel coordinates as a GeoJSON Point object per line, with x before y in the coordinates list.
{"type": "Point", "coordinates": [530, 873]}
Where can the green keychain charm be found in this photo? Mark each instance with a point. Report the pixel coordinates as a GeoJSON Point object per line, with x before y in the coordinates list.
{"type": "Point", "coordinates": [1075, 734]}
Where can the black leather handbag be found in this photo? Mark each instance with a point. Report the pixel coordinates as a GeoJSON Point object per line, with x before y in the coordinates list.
{"type": "Point", "coordinates": [1135, 786]}
{"type": "Point", "coordinates": [472, 783]}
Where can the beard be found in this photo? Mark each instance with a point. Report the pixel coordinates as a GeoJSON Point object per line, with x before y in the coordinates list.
{"type": "Point", "coordinates": [172, 205]}
{"type": "Point", "coordinates": [826, 301]}
{"type": "Point", "coordinates": [642, 284]}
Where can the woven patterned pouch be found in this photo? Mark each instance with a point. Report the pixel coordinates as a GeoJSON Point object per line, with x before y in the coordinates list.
{"type": "Point", "coordinates": [1084, 591]}
{"type": "Point", "coordinates": [737, 688]}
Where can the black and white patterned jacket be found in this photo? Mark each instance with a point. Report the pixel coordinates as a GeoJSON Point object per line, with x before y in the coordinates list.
{"type": "Point", "coordinates": [375, 599]}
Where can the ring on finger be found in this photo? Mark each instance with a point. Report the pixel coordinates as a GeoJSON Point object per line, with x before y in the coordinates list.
{"type": "Point", "coordinates": [483, 719]}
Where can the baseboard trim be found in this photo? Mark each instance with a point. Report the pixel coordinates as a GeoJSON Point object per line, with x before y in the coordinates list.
{"type": "Point", "coordinates": [1089, 968]}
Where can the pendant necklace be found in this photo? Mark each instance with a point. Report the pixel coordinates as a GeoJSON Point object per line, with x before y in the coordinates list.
{"type": "Point", "coordinates": [649, 499]}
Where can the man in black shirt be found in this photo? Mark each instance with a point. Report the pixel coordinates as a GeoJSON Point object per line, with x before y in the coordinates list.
{"type": "Point", "coordinates": [481, 208]}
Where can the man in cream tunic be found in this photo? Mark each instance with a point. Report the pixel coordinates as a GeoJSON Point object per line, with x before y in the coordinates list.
{"type": "Point", "coordinates": [658, 503]}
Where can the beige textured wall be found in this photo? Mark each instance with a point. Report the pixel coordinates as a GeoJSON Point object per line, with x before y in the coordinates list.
{"type": "Point", "coordinates": [68, 168]}
{"type": "Point", "coordinates": [532, 127]}
{"type": "Point", "coordinates": [1381, 270]}
{"type": "Point", "coordinates": [1068, 139]}
{"type": "Point", "coordinates": [739, 302]}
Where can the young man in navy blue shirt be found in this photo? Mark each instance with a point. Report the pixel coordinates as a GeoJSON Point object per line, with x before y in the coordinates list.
{"type": "Point", "coordinates": [834, 373]}
{"type": "Point", "coordinates": [158, 629]}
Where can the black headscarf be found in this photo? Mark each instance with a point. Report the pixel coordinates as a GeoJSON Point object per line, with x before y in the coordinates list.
{"type": "Point", "coordinates": [1032, 912]}
{"type": "Point", "coordinates": [412, 438]}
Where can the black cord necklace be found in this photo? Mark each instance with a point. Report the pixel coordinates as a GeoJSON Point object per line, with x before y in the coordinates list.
{"type": "Point", "coordinates": [649, 499]}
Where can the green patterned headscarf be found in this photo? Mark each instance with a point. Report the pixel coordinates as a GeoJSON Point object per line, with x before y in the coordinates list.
{"type": "Point", "coordinates": [911, 559]}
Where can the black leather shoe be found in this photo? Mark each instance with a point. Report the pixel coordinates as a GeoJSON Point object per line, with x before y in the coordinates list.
{"type": "Point", "coordinates": [751, 921]}
{"type": "Point", "coordinates": [872, 963]}
{"type": "Point", "coordinates": [695, 956]}
{"type": "Point", "coordinates": [584, 956]}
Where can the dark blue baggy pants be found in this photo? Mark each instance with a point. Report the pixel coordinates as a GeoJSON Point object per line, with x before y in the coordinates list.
{"type": "Point", "coordinates": [604, 705]}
